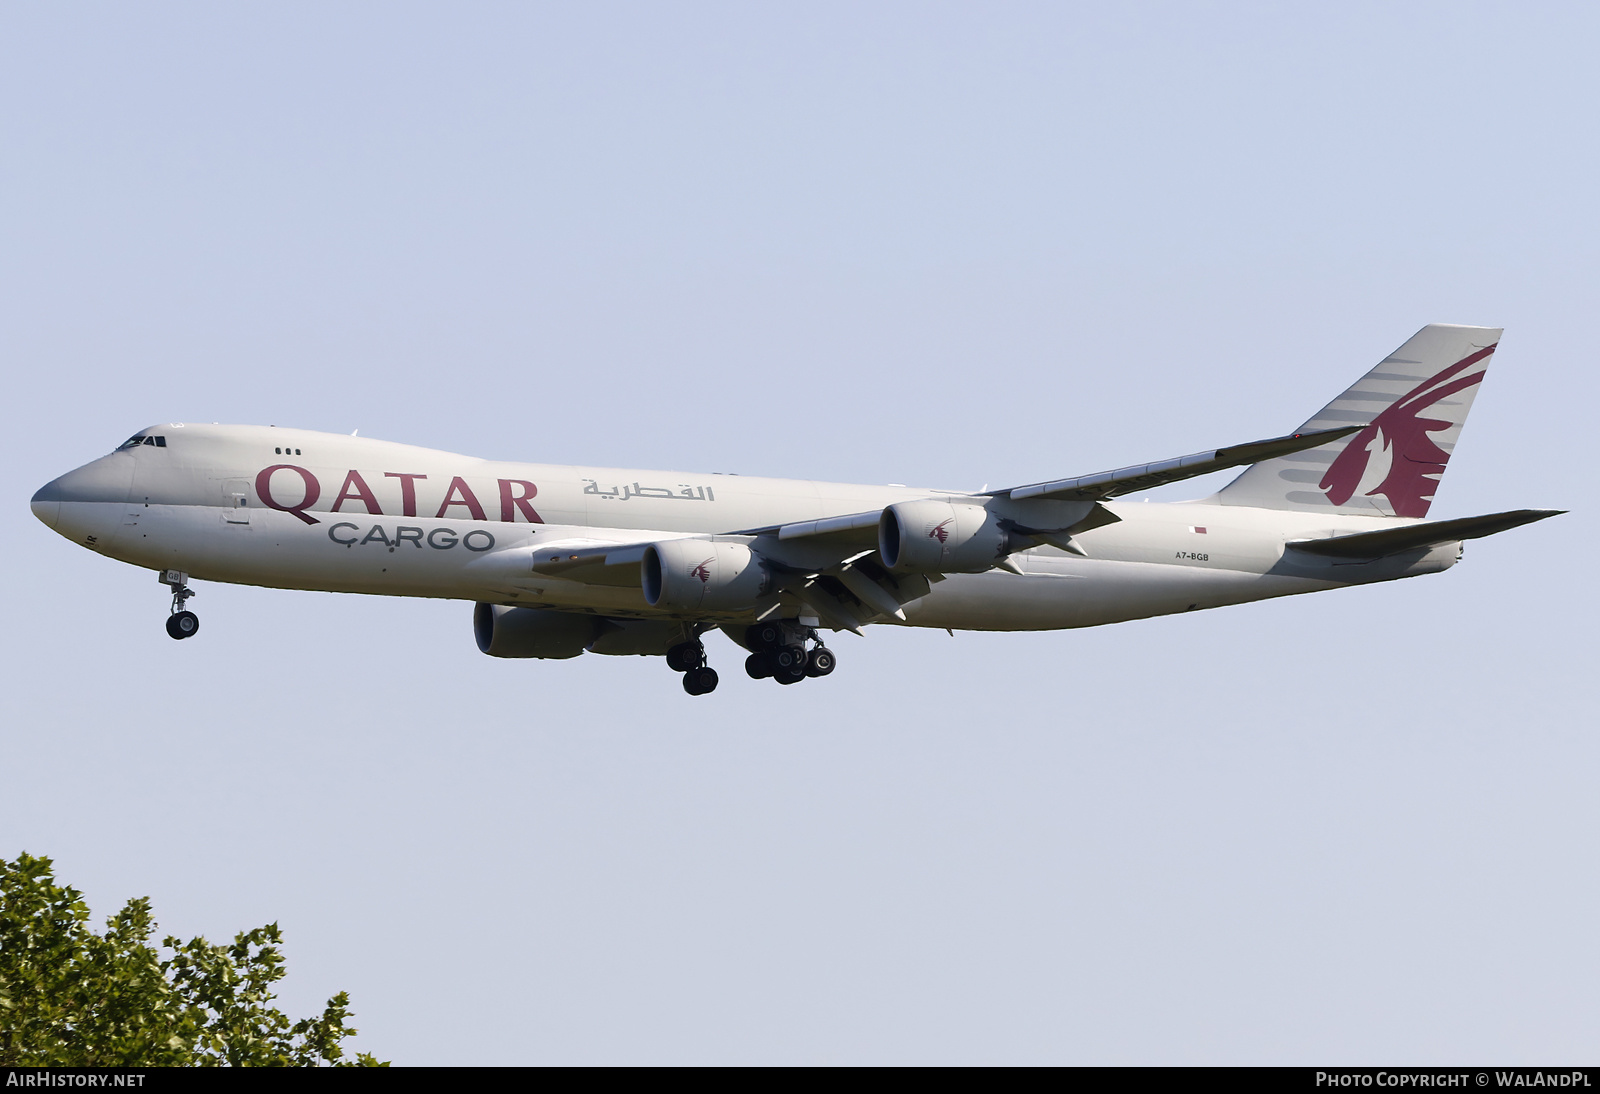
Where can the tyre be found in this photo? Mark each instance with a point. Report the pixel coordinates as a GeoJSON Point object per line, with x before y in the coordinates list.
{"type": "Point", "coordinates": [700, 681]}
{"type": "Point", "coordinates": [789, 657]}
{"type": "Point", "coordinates": [820, 662]}
{"type": "Point", "coordinates": [792, 675]}
{"type": "Point", "coordinates": [758, 666]}
{"type": "Point", "coordinates": [685, 656]}
{"type": "Point", "coordinates": [183, 624]}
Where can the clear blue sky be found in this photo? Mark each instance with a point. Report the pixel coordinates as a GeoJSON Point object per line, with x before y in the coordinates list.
{"type": "Point", "coordinates": [932, 243]}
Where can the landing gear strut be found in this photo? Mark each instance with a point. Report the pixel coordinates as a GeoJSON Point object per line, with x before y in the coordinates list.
{"type": "Point", "coordinates": [181, 623]}
{"type": "Point", "coordinates": [781, 653]}
{"type": "Point", "coordinates": [689, 658]}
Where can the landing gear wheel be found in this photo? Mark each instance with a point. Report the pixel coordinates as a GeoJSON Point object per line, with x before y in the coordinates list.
{"type": "Point", "coordinates": [790, 657]}
{"type": "Point", "coordinates": [686, 656]}
{"type": "Point", "coordinates": [820, 662]}
{"type": "Point", "coordinates": [792, 675]}
{"type": "Point", "coordinates": [758, 666]}
{"type": "Point", "coordinates": [181, 623]}
{"type": "Point", "coordinates": [700, 681]}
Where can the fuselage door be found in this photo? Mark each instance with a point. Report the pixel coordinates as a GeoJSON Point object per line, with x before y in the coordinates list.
{"type": "Point", "coordinates": [236, 501]}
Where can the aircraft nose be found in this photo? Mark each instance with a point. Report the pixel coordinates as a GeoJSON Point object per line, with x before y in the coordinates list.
{"type": "Point", "coordinates": [46, 507]}
{"type": "Point", "coordinates": [106, 479]}
{"type": "Point", "coordinates": [84, 495]}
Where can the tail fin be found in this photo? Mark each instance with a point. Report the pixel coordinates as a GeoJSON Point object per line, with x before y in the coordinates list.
{"type": "Point", "coordinates": [1413, 406]}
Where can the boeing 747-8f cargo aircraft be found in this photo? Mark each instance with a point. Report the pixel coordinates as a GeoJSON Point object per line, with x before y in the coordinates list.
{"type": "Point", "coordinates": [563, 560]}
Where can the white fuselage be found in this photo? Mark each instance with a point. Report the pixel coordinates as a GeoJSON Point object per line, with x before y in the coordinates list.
{"type": "Point", "coordinates": [295, 509]}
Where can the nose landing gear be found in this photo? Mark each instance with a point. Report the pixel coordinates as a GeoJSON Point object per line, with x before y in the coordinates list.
{"type": "Point", "coordinates": [181, 623]}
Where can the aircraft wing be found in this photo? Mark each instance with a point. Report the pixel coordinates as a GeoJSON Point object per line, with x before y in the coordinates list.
{"type": "Point", "coordinates": [590, 561]}
{"type": "Point", "coordinates": [847, 530]}
{"type": "Point", "coordinates": [861, 528]}
{"type": "Point", "coordinates": [816, 563]}
{"type": "Point", "coordinates": [829, 564]}
{"type": "Point", "coordinates": [1125, 480]}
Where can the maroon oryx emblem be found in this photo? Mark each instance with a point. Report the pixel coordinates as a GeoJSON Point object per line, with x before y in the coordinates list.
{"type": "Point", "coordinates": [703, 571]}
{"type": "Point", "coordinates": [1400, 435]}
{"type": "Point", "coordinates": [941, 531]}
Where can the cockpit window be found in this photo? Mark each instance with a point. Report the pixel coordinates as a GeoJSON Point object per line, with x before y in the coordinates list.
{"type": "Point", "coordinates": [142, 438]}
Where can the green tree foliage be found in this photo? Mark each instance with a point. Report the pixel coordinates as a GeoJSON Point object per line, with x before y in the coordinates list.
{"type": "Point", "coordinates": [72, 998]}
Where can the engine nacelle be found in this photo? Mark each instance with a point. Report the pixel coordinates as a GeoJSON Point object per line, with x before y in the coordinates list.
{"type": "Point", "coordinates": [940, 537]}
{"type": "Point", "coordinates": [532, 632]}
{"type": "Point", "coordinates": [703, 575]}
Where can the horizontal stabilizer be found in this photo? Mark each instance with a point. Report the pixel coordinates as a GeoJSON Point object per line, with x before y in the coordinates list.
{"type": "Point", "coordinates": [1413, 537]}
{"type": "Point", "coordinates": [1148, 476]}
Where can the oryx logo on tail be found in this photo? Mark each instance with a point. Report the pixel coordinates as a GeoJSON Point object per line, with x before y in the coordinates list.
{"type": "Point", "coordinates": [1400, 433]}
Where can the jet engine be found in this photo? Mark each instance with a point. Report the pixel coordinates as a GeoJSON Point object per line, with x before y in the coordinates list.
{"type": "Point", "coordinates": [939, 537]}
{"type": "Point", "coordinates": [532, 632]}
{"type": "Point", "coordinates": [703, 575]}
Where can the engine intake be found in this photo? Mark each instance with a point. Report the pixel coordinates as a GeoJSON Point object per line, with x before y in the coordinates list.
{"type": "Point", "coordinates": [532, 632]}
{"type": "Point", "coordinates": [703, 575]}
{"type": "Point", "coordinates": [939, 537]}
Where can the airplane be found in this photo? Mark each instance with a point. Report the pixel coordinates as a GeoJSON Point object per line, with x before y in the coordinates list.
{"type": "Point", "coordinates": [560, 561]}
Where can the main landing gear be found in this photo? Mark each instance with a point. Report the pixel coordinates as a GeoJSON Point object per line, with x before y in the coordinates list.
{"type": "Point", "coordinates": [181, 623]}
{"type": "Point", "coordinates": [781, 653]}
{"type": "Point", "coordinates": [689, 658]}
